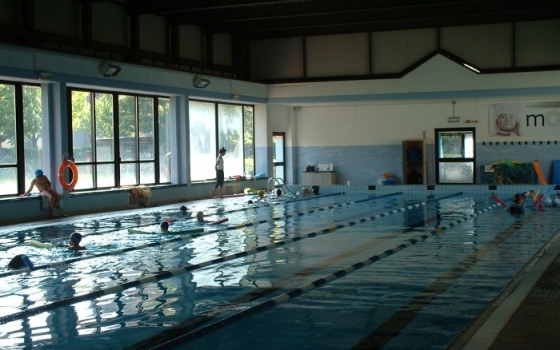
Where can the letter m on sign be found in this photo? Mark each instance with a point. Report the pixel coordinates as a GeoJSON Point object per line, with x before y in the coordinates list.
{"type": "Point", "coordinates": [535, 118]}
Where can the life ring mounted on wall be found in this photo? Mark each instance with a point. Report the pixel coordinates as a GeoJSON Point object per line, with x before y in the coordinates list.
{"type": "Point", "coordinates": [72, 166]}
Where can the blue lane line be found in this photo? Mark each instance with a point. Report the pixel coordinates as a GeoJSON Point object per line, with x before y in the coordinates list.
{"type": "Point", "coordinates": [294, 293]}
{"type": "Point", "coordinates": [174, 272]}
{"type": "Point", "coordinates": [185, 237]}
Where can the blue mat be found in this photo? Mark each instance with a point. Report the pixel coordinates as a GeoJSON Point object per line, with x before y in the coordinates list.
{"type": "Point", "coordinates": [556, 171]}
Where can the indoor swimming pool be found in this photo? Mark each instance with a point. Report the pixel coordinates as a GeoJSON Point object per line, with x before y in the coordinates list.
{"type": "Point", "coordinates": [367, 270]}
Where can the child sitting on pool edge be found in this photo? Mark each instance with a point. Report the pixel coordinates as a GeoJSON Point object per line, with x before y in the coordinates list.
{"type": "Point", "coordinates": [518, 206]}
{"type": "Point", "coordinates": [73, 242]}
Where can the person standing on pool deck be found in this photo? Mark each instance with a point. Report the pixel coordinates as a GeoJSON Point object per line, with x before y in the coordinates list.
{"type": "Point", "coordinates": [219, 166]}
{"type": "Point", "coordinates": [44, 186]}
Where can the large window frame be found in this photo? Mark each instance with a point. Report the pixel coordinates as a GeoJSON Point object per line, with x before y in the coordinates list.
{"type": "Point", "coordinates": [119, 139]}
{"type": "Point", "coordinates": [455, 156]}
{"type": "Point", "coordinates": [213, 125]}
{"type": "Point", "coordinates": [22, 135]}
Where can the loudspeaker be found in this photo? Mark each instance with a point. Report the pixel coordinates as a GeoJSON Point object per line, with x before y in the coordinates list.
{"type": "Point", "coordinates": [200, 83]}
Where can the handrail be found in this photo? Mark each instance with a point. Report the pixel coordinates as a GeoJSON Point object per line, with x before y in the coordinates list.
{"type": "Point", "coordinates": [277, 181]}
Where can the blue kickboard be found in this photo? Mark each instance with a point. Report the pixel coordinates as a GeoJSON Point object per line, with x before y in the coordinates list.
{"type": "Point", "coordinates": [556, 171]}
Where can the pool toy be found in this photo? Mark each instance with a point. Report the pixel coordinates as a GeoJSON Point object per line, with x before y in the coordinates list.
{"type": "Point", "coordinates": [38, 244]}
{"type": "Point", "coordinates": [157, 230]}
{"type": "Point", "coordinates": [234, 195]}
{"type": "Point", "coordinates": [542, 196]}
{"type": "Point", "coordinates": [249, 190]}
{"type": "Point", "coordinates": [501, 202]}
{"type": "Point", "coordinates": [539, 172]}
{"type": "Point", "coordinates": [220, 221]}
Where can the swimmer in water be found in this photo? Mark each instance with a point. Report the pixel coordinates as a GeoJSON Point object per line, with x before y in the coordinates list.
{"type": "Point", "coordinates": [20, 261]}
{"type": "Point", "coordinates": [73, 242]}
{"type": "Point", "coordinates": [518, 206]}
{"type": "Point", "coordinates": [200, 217]}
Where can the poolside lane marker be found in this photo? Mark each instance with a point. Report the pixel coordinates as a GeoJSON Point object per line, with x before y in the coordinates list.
{"type": "Point", "coordinates": [188, 268]}
{"type": "Point", "coordinates": [183, 339]}
{"type": "Point", "coordinates": [187, 237]}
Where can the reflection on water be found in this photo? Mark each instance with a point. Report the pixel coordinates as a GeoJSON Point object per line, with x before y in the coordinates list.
{"type": "Point", "coordinates": [222, 285]}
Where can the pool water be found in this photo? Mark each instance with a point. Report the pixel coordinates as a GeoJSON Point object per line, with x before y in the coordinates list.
{"type": "Point", "coordinates": [335, 271]}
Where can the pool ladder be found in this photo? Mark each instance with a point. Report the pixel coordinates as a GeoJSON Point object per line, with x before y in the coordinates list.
{"type": "Point", "coordinates": [277, 181]}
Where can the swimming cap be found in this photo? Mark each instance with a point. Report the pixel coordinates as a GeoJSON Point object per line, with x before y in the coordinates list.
{"type": "Point", "coordinates": [200, 216]}
{"type": "Point", "coordinates": [76, 237]}
{"type": "Point", "coordinates": [183, 208]}
{"type": "Point", "coordinates": [164, 226]}
{"type": "Point", "coordinates": [38, 172]}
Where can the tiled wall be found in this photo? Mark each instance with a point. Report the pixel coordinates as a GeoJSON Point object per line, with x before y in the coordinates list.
{"type": "Point", "coordinates": [364, 165]}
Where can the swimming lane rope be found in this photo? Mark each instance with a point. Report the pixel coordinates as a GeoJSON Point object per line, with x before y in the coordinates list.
{"type": "Point", "coordinates": [174, 272]}
{"type": "Point", "coordinates": [187, 237]}
{"type": "Point", "coordinates": [296, 292]}
{"type": "Point", "coordinates": [267, 204]}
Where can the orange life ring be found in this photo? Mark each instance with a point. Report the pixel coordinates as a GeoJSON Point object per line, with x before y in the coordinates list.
{"type": "Point", "coordinates": [72, 166]}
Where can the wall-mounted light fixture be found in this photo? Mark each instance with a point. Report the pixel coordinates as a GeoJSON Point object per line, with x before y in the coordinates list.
{"type": "Point", "coordinates": [110, 70]}
{"type": "Point", "coordinates": [200, 83]}
{"type": "Point", "coordinates": [453, 118]}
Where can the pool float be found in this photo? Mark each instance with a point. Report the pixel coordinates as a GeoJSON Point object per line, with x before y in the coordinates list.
{"type": "Point", "coordinates": [543, 195]}
{"type": "Point", "coordinates": [249, 190]}
{"type": "Point", "coordinates": [219, 221]}
{"type": "Point", "coordinates": [68, 186]}
{"type": "Point", "coordinates": [501, 202]}
{"type": "Point", "coordinates": [158, 230]}
{"type": "Point", "coordinates": [38, 244]}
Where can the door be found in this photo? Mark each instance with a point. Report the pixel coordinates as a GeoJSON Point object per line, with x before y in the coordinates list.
{"type": "Point", "coordinates": [455, 156]}
{"type": "Point", "coordinates": [278, 160]}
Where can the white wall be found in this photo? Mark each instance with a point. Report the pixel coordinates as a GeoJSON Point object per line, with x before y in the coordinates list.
{"type": "Point", "coordinates": [379, 112]}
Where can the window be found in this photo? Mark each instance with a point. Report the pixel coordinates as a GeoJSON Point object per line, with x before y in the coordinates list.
{"type": "Point", "coordinates": [278, 161]}
{"type": "Point", "coordinates": [21, 138]}
{"type": "Point", "coordinates": [119, 139]}
{"type": "Point", "coordinates": [455, 159]}
{"type": "Point", "coordinates": [213, 126]}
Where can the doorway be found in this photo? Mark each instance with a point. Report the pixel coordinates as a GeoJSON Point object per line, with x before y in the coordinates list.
{"type": "Point", "coordinates": [455, 156]}
{"type": "Point", "coordinates": [278, 155]}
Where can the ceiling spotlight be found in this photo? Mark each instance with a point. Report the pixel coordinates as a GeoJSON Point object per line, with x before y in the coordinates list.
{"type": "Point", "coordinates": [110, 70]}
{"type": "Point", "coordinates": [200, 83]}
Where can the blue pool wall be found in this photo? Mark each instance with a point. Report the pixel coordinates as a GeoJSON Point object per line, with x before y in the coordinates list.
{"type": "Point", "coordinates": [365, 165]}
{"type": "Point", "coordinates": [504, 192]}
